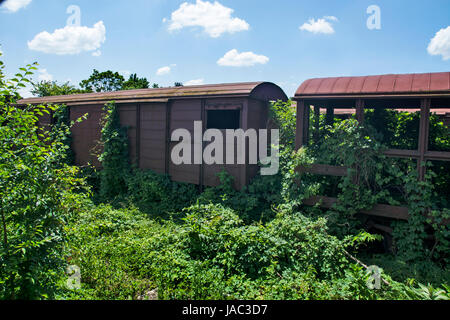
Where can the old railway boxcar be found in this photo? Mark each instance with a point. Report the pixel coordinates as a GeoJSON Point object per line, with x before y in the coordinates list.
{"type": "Point", "coordinates": [151, 116]}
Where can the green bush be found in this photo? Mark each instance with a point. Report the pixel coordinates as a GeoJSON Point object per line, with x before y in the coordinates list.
{"type": "Point", "coordinates": [38, 193]}
{"type": "Point", "coordinates": [124, 254]}
{"type": "Point", "coordinates": [157, 194]}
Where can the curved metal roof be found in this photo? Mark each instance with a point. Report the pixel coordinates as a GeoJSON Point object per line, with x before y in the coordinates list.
{"type": "Point", "coordinates": [160, 94]}
{"type": "Point", "coordinates": [390, 84]}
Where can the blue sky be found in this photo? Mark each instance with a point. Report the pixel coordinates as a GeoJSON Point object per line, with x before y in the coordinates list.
{"type": "Point", "coordinates": [186, 41]}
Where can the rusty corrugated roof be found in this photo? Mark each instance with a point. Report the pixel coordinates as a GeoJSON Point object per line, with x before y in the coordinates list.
{"type": "Point", "coordinates": [348, 111]}
{"type": "Point", "coordinates": [237, 89]}
{"type": "Point", "coordinates": [390, 84]}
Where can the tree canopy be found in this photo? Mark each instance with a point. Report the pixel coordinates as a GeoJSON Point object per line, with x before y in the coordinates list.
{"type": "Point", "coordinates": [134, 82]}
{"type": "Point", "coordinates": [103, 81]}
{"type": "Point", "coordinates": [52, 88]}
{"type": "Point", "coordinates": [97, 82]}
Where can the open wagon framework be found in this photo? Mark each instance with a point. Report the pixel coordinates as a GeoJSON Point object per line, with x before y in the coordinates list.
{"type": "Point", "coordinates": [407, 91]}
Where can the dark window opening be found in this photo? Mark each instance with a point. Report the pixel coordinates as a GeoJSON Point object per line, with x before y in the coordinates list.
{"type": "Point", "coordinates": [224, 119]}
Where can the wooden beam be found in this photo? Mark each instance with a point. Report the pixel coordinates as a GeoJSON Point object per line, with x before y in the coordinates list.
{"type": "Point", "coordinates": [360, 111]}
{"type": "Point", "coordinates": [398, 153]}
{"type": "Point", "coordinates": [387, 211]}
{"type": "Point", "coordinates": [424, 129]}
{"type": "Point", "coordinates": [316, 124]}
{"type": "Point", "coordinates": [386, 229]}
{"type": "Point", "coordinates": [379, 210]}
{"type": "Point", "coordinates": [329, 119]}
{"type": "Point", "coordinates": [437, 155]}
{"type": "Point", "coordinates": [306, 120]}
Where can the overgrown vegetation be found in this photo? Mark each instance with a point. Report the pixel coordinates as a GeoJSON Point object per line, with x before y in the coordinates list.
{"type": "Point", "coordinates": [38, 193]}
{"type": "Point", "coordinates": [114, 154]}
{"type": "Point", "coordinates": [145, 236]}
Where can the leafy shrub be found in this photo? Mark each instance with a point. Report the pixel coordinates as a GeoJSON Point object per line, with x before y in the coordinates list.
{"type": "Point", "coordinates": [124, 254]}
{"type": "Point", "coordinates": [111, 248]}
{"type": "Point", "coordinates": [157, 194]}
{"type": "Point", "coordinates": [37, 194]}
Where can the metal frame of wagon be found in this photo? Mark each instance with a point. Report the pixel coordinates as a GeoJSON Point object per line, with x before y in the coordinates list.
{"type": "Point", "coordinates": [406, 91]}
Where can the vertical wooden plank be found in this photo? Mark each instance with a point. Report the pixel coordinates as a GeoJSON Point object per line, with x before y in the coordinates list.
{"type": "Point", "coordinates": [306, 119]}
{"type": "Point", "coordinates": [360, 111]}
{"type": "Point", "coordinates": [152, 137]}
{"type": "Point", "coordinates": [202, 166]}
{"type": "Point", "coordinates": [316, 124]}
{"type": "Point", "coordinates": [424, 129]}
{"type": "Point", "coordinates": [329, 120]}
{"type": "Point", "coordinates": [138, 135]}
{"type": "Point", "coordinates": [245, 126]}
{"type": "Point", "coordinates": [299, 137]}
{"type": "Point", "coordinates": [168, 120]}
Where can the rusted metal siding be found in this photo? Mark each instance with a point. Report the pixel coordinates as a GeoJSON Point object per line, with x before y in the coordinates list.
{"type": "Point", "coordinates": [257, 119]}
{"type": "Point", "coordinates": [151, 116]}
{"type": "Point", "coordinates": [153, 137]}
{"type": "Point", "coordinates": [127, 114]}
{"type": "Point", "coordinates": [183, 113]}
{"type": "Point", "coordinates": [86, 134]}
{"type": "Point", "coordinates": [45, 121]}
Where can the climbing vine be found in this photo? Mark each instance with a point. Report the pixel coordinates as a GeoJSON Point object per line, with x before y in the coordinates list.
{"type": "Point", "coordinates": [114, 157]}
{"type": "Point", "coordinates": [375, 179]}
{"type": "Point", "coordinates": [60, 131]}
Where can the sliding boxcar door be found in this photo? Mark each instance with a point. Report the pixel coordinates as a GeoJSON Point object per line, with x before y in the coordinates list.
{"type": "Point", "coordinates": [183, 113]}
{"type": "Point", "coordinates": [152, 136]}
{"type": "Point", "coordinates": [86, 134]}
{"type": "Point", "coordinates": [223, 116]}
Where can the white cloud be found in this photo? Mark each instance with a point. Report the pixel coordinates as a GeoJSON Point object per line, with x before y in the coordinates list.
{"type": "Point", "coordinates": [215, 18]}
{"type": "Point", "coordinates": [163, 71]}
{"type": "Point", "coordinates": [245, 59]}
{"type": "Point", "coordinates": [15, 5]}
{"type": "Point", "coordinates": [195, 82]}
{"type": "Point", "coordinates": [97, 53]}
{"type": "Point", "coordinates": [440, 44]}
{"type": "Point", "coordinates": [323, 25]}
{"type": "Point", "coordinates": [70, 40]}
{"type": "Point", "coordinates": [332, 18]}
{"type": "Point", "coordinates": [44, 75]}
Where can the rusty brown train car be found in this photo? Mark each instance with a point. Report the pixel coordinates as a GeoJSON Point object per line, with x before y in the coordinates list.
{"type": "Point", "coordinates": [151, 115]}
